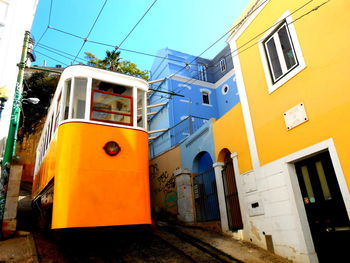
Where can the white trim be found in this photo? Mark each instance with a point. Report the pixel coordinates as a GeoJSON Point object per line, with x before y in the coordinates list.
{"type": "Point", "coordinates": [223, 89]}
{"type": "Point", "coordinates": [330, 146]}
{"type": "Point", "coordinates": [297, 49]}
{"type": "Point", "coordinates": [246, 23]}
{"type": "Point", "coordinates": [205, 90]}
{"type": "Point", "coordinates": [245, 110]}
{"type": "Point", "coordinates": [88, 99]}
{"type": "Point", "coordinates": [184, 86]}
{"type": "Point", "coordinates": [225, 78]}
{"type": "Point", "coordinates": [208, 105]}
{"type": "Point", "coordinates": [218, 167]}
{"type": "Point", "coordinates": [193, 81]}
{"type": "Point", "coordinates": [291, 176]}
{"type": "Point", "coordinates": [240, 191]}
{"type": "Point", "coordinates": [134, 106]}
{"type": "Point", "coordinates": [223, 66]}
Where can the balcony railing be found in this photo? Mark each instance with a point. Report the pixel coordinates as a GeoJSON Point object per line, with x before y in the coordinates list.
{"type": "Point", "coordinates": [175, 135]}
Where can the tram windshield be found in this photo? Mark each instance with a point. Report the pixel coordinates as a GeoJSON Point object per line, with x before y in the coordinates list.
{"type": "Point", "coordinates": [111, 103]}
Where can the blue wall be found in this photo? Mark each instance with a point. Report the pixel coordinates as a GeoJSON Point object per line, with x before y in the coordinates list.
{"type": "Point", "coordinates": [226, 101]}
{"type": "Point", "coordinates": [179, 108]}
{"type": "Point", "coordinates": [201, 141]}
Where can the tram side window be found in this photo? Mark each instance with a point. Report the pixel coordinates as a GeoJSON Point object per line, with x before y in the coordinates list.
{"type": "Point", "coordinates": [140, 108]}
{"type": "Point", "coordinates": [111, 103]}
{"type": "Point", "coordinates": [79, 98]}
{"type": "Point", "coordinates": [67, 86]}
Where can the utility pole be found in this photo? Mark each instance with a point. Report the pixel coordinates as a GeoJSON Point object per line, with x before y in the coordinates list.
{"type": "Point", "coordinates": [10, 147]}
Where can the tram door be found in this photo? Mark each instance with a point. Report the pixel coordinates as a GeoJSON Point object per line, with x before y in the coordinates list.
{"type": "Point", "coordinates": [231, 195]}
{"type": "Point", "coordinates": [325, 208]}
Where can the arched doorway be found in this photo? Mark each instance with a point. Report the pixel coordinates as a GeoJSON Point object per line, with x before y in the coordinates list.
{"type": "Point", "coordinates": [204, 187]}
{"type": "Point", "coordinates": [234, 216]}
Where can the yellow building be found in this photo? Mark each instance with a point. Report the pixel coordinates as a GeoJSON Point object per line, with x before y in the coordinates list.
{"type": "Point", "coordinates": [291, 165]}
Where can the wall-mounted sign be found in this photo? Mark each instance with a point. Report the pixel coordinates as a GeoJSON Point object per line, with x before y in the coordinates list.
{"type": "Point", "coordinates": [295, 116]}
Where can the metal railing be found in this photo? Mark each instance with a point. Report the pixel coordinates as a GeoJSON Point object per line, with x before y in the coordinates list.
{"type": "Point", "coordinates": [175, 135]}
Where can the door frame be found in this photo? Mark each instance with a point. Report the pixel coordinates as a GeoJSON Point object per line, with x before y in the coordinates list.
{"type": "Point", "coordinates": [290, 172]}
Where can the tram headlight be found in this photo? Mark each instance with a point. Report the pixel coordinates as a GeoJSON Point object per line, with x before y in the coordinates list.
{"type": "Point", "coordinates": [112, 148]}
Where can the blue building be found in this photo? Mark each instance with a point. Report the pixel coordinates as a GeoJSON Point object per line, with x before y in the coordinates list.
{"type": "Point", "coordinates": [207, 88]}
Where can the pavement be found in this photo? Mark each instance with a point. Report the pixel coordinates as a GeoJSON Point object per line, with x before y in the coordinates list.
{"type": "Point", "coordinates": [18, 249]}
{"type": "Point", "coordinates": [241, 250]}
{"type": "Point", "coordinates": [21, 248]}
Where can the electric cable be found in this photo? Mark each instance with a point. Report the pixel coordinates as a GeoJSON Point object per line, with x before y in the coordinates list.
{"type": "Point", "coordinates": [51, 58]}
{"type": "Point", "coordinates": [256, 36]}
{"type": "Point", "coordinates": [138, 22]}
{"type": "Point", "coordinates": [48, 24]}
{"type": "Point", "coordinates": [92, 27]}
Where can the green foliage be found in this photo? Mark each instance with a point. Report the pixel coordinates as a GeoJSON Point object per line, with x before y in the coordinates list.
{"type": "Point", "coordinates": [41, 85]}
{"type": "Point", "coordinates": [112, 62]}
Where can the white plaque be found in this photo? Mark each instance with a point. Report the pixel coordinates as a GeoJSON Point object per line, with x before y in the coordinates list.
{"type": "Point", "coordinates": [295, 116]}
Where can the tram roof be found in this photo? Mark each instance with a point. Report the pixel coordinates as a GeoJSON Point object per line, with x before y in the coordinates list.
{"type": "Point", "coordinates": [105, 75]}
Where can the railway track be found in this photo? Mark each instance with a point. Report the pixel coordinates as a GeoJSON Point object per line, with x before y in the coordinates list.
{"type": "Point", "coordinates": [192, 248]}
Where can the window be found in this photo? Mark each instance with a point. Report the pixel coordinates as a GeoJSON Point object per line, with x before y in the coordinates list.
{"type": "Point", "coordinates": [281, 54]}
{"type": "Point", "coordinates": [111, 103]}
{"type": "Point", "coordinates": [223, 65]}
{"type": "Point", "coordinates": [79, 98]}
{"type": "Point", "coordinates": [205, 97]}
{"type": "Point", "coordinates": [141, 109]}
{"type": "Point", "coordinates": [225, 89]}
{"type": "Point", "coordinates": [202, 71]}
{"type": "Point", "coordinates": [67, 87]}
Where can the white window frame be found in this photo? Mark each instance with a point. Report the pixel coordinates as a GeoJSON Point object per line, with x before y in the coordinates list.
{"type": "Point", "coordinates": [223, 65]}
{"type": "Point", "coordinates": [287, 74]}
{"type": "Point", "coordinates": [223, 89]}
{"type": "Point", "coordinates": [202, 72]}
{"type": "Point", "coordinates": [208, 92]}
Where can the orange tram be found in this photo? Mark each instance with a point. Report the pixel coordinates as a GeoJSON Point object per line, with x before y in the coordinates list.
{"type": "Point", "coordinates": [91, 165]}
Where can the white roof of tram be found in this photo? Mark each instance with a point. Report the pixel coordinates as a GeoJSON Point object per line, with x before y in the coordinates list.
{"type": "Point", "coordinates": [104, 75]}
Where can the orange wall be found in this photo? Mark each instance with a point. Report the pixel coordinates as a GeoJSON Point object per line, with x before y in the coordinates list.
{"type": "Point", "coordinates": [229, 132]}
{"type": "Point", "coordinates": [323, 86]}
{"type": "Point", "coordinates": [162, 180]}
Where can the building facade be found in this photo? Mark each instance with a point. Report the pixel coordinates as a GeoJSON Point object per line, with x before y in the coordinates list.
{"type": "Point", "coordinates": [16, 17]}
{"type": "Point", "coordinates": [279, 146]}
{"type": "Point", "coordinates": [295, 198]}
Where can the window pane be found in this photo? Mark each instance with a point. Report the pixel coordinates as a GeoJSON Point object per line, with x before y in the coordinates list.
{"type": "Point", "coordinates": [67, 85]}
{"type": "Point", "coordinates": [79, 98]}
{"type": "Point", "coordinates": [111, 107]}
{"type": "Point", "coordinates": [307, 183]}
{"type": "Point", "coordinates": [140, 108]}
{"type": "Point", "coordinates": [205, 97]}
{"type": "Point", "coordinates": [287, 48]}
{"type": "Point", "coordinates": [274, 61]}
{"type": "Point", "coordinates": [323, 181]}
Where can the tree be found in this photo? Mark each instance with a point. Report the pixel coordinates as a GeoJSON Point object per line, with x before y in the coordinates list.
{"type": "Point", "coordinates": [41, 85]}
{"type": "Point", "coordinates": [112, 62]}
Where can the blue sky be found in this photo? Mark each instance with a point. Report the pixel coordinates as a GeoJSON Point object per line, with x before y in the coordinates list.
{"type": "Point", "coordinates": [189, 26]}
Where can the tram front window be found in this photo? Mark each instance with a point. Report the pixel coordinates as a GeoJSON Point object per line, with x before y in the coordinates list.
{"type": "Point", "coordinates": [111, 103]}
{"type": "Point", "coordinates": [79, 98]}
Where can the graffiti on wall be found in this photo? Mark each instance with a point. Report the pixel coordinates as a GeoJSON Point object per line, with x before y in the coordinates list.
{"type": "Point", "coordinates": [163, 184]}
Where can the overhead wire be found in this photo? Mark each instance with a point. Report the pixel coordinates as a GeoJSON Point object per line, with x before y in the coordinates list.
{"type": "Point", "coordinates": [47, 27]}
{"type": "Point", "coordinates": [59, 53]}
{"type": "Point", "coordinates": [261, 33]}
{"type": "Point", "coordinates": [51, 58]}
{"type": "Point", "coordinates": [92, 27]}
{"type": "Point", "coordinates": [138, 22]}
